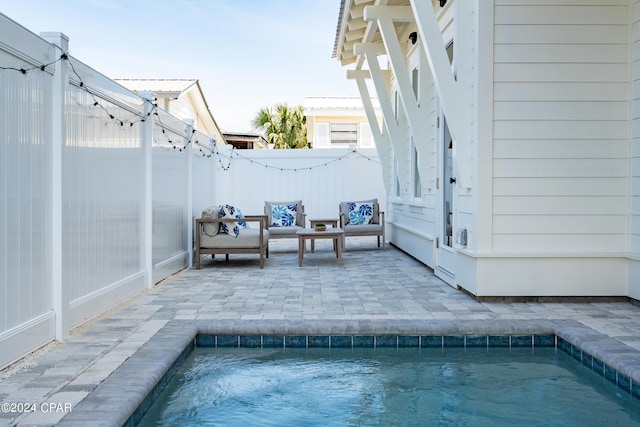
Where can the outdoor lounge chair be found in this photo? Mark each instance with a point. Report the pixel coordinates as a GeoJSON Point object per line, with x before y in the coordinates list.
{"type": "Point", "coordinates": [231, 235]}
{"type": "Point", "coordinates": [284, 219]}
{"type": "Point", "coordinates": [362, 218]}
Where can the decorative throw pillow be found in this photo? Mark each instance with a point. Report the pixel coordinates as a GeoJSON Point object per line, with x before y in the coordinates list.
{"type": "Point", "coordinates": [345, 209]}
{"type": "Point", "coordinates": [298, 220]}
{"type": "Point", "coordinates": [360, 213]}
{"type": "Point", "coordinates": [231, 228]}
{"type": "Point", "coordinates": [283, 215]}
{"type": "Point", "coordinates": [211, 228]}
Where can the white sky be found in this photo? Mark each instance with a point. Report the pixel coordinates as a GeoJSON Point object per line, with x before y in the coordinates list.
{"type": "Point", "coordinates": [247, 54]}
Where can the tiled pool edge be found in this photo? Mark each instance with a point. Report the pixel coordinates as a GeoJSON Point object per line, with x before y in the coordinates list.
{"type": "Point", "coordinates": [611, 359]}
{"type": "Point", "coordinates": [114, 401]}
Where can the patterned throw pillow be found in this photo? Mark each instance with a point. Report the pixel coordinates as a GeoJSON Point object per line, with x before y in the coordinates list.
{"type": "Point", "coordinates": [283, 215]}
{"type": "Point", "coordinates": [231, 228]}
{"type": "Point", "coordinates": [360, 213]}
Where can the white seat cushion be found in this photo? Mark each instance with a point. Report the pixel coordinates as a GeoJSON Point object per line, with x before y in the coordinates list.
{"type": "Point", "coordinates": [369, 228]}
{"type": "Point", "coordinates": [247, 239]}
{"type": "Point", "coordinates": [284, 231]}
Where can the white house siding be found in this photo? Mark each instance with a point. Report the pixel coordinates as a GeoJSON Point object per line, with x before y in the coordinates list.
{"type": "Point", "coordinates": [466, 57]}
{"type": "Point", "coordinates": [411, 221]}
{"type": "Point", "coordinates": [634, 240]}
{"type": "Point", "coordinates": [415, 222]}
{"type": "Point", "coordinates": [560, 149]}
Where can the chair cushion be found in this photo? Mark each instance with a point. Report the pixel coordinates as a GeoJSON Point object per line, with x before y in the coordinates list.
{"type": "Point", "coordinates": [211, 229]}
{"type": "Point", "coordinates": [284, 231]}
{"type": "Point", "coordinates": [375, 219]}
{"type": "Point", "coordinates": [283, 215]}
{"type": "Point", "coordinates": [268, 209]}
{"type": "Point", "coordinates": [248, 239]}
{"type": "Point", "coordinates": [360, 213]}
{"type": "Point", "coordinates": [364, 228]}
{"type": "Point", "coordinates": [231, 228]}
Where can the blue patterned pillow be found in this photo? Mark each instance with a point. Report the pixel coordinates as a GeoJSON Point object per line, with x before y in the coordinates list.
{"type": "Point", "coordinates": [360, 213]}
{"type": "Point", "coordinates": [231, 228]}
{"type": "Point", "coordinates": [283, 215]}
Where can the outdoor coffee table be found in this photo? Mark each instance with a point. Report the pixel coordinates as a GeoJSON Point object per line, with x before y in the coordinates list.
{"type": "Point", "coordinates": [326, 221]}
{"type": "Point", "coordinates": [336, 234]}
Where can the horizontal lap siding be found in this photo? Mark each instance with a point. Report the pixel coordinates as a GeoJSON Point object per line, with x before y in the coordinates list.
{"type": "Point", "coordinates": [634, 243]}
{"type": "Point", "coordinates": [561, 108]}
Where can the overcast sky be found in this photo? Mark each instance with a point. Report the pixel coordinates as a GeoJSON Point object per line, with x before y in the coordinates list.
{"type": "Point", "coordinates": [247, 54]}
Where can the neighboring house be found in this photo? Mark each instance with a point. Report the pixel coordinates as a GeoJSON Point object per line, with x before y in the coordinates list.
{"type": "Point", "coordinates": [337, 122]}
{"type": "Point", "coordinates": [182, 98]}
{"type": "Point", "coordinates": [246, 141]}
{"type": "Point", "coordinates": [510, 139]}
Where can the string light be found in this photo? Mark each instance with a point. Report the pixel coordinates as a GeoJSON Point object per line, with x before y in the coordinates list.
{"type": "Point", "coordinates": [220, 156]}
{"type": "Point", "coordinates": [96, 103]}
{"type": "Point", "coordinates": [350, 152]}
{"type": "Point", "coordinates": [154, 110]}
{"type": "Point", "coordinates": [35, 67]}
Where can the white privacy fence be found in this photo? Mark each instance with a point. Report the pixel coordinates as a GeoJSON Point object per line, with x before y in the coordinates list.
{"type": "Point", "coordinates": [320, 178]}
{"type": "Point", "coordinates": [98, 189]}
{"type": "Point", "coordinates": [94, 199]}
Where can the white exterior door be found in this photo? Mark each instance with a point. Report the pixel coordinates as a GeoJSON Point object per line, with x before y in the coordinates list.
{"type": "Point", "coordinates": [445, 254]}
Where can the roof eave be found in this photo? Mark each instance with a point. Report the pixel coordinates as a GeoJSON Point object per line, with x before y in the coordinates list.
{"type": "Point", "coordinates": [343, 16]}
{"type": "Point", "coordinates": [206, 106]}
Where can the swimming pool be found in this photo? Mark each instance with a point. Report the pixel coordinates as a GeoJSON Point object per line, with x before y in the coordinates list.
{"type": "Point", "coordinates": [128, 392]}
{"type": "Point", "coordinates": [389, 385]}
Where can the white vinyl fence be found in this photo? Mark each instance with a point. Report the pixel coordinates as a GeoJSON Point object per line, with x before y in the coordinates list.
{"type": "Point", "coordinates": [94, 198]}
{"type": "Point", "coordinates": [321, 178]}
{"type": "Point", "coordinates": [99, 189]}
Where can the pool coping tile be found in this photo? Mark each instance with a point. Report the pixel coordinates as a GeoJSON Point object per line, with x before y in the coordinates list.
{"type": "Point", "coordinates": [150, 364]}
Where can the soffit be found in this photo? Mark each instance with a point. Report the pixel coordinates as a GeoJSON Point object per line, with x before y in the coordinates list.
{"type": "Point", "coordinates": [352, 28]}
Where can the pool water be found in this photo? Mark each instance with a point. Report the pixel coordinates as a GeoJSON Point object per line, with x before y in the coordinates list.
{"type": "Point", "coordinates": [389, 387]}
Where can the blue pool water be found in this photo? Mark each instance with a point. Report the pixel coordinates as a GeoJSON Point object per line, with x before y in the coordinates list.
{"type": "Point", "coordinates": [389, 387]}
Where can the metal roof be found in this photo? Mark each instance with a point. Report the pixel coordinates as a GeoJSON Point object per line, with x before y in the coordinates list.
{"type": "Point", "coordinates": [159, 86]}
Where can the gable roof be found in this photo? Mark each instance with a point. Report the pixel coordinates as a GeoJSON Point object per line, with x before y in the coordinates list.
{"type": "Point", "coordinates": [188, 90]}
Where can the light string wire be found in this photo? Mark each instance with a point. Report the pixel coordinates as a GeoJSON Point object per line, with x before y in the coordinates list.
{"type": "Point", "coordinates": [35, 67]}
{"type": "Point", "coordinates": [236, 153]}
{"type": "Point", "coordinates": [96, 104]}
{"type": "Point", "coordinates": [179, 147]}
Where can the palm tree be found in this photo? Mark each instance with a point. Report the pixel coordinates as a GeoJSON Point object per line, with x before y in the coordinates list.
{"type": "Point", "coordinates": [284, 127]}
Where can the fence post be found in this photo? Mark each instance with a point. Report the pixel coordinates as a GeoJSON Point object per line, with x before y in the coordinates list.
{"type": "Point", "coordinates": [189, 153]}
{"type": "Point", "coordinates": [60, 292]}
{"type": "Point", "coordinates": [146, 217]}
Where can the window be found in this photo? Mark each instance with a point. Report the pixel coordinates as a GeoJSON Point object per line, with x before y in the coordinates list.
{"type": "Point", "coordinates": [344, 133]}
{"type": "Point", "coordinates": [322, 135]}
{"type": "Point", "coordinates": [397, 191]}
{"type": "Point", "coordinates": [395, 105]}
{"type": "Point", "coordinates": [417, 183]}
{"type": "Point", "coordinates": [415, 82]}
{"type": "Point", "coordinates": [366, 137]}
